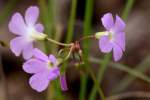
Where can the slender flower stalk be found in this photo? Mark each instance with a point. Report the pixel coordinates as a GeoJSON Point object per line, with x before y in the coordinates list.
{"type": "Point", "coordinates": [59, 43]}
{"type": "Point", "coordinates": [69, 54]}
{"type": "Point", "coordinates": [87, 37]}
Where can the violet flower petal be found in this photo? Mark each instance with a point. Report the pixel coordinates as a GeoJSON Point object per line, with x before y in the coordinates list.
{"type": "Point", "coordinates": [39, 81]}
{"type": "Point", "coordinates": [63, 82]}
{"type": "Point", "coordinates": [107, 21]}
{"type": "Point", "coordinates": [17, 44]}
{"type": "Point", "coordinates": [17, 25]}
{"type": "Point", "coordinates": [119, 25]}
{"type": "Point", "coordinates": [105, 45]}
{"type": "Point", "coordinates": [28, 51]}
{"type": "Point", "coordinates": [54, 73]}
{"type": "Point", "coordinates": [39, 54]}
{"type": "Point", "coordinates": [53, 59]}
{"type": "Point", "coordinates": [34, 66]}
{"type": "Point", "coordinates": [31, 15]}
{"type": "Point", "coordinates": [39, 27]}
{"type": "Point", "coordinates": [117, 52]}
{"type": "Point", "coordinates": [120, 40]}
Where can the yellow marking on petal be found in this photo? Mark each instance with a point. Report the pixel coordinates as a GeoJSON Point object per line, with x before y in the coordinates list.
{"type": "Point", "coordinates": [50, 64]}
{"type": "Point", "coordinates": [111, 36]}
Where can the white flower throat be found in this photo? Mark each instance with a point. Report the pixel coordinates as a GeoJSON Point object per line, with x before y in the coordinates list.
{"type": "Point", "coordinates": [110, 34]}
{"type": "Point", "coordinates": [35, 35]}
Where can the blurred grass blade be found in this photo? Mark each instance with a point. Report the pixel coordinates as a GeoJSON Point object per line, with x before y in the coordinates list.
{"type": "Point", "coordinates": [46, 22]}
{"type": "Point", "coordinates": [96, 83]}
{"type": "Point", "coordinates": [48, 17]}
{"type": "Point", "coordinates": [71, 21]}
{"type": "Point", "coordinates": [100, 75]}
{"type": "Point", "coordinates": [45, 16]}
{"type": "Point", "coordinates": [144, 65]}
{"type": "Point", "coordinates": [7, 10]}
{"type": "Point", "coordinates": [133, 94]}
{"type": "Point", "coordinates": [70, 29]}
{"type": "Point", "coordinates": [127, 8]}
{"type": "Point", "coordinates": [86, 31]}
{"type": "Point", "coordinates": [52, 16]}
{"type": "Point", "coordinates": [133, 73]}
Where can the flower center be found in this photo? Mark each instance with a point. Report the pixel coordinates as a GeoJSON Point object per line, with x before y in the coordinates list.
{"type": "Point", "coordinates": [98, 35]}
{"type": "Point", "coordinates": [38, 36]}
{"type": "Point", "coordinates": [111, 35]}
{"type": "Point", "coordinates": [50, 64]}
{"type": "Point", "coordinates": [35, 35]}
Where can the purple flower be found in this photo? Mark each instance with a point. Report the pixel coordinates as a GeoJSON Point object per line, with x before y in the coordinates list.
{"type": "Point", "coordinates": [114, 36]}
{"type": "Point", "coordinates": [43, 68]}
{"type": "Point", "coordinates": [27, 32]}
{"type": "Point", "coordinates": [63, 82]}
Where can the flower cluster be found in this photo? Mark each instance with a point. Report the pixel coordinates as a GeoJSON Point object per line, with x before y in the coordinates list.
{"type": "Point", "coordinates": [45, 68]}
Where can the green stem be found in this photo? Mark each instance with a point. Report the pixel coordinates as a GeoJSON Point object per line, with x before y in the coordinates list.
{"type": "Point", "coordinates": [52, 17]}
{"type": "Point", "coordinates": [71, 21]}
{"type": "Point", "coordinates": [83, 87]}
{"type": "Point", "coordinates": [86, 32]}
{"type": "Point", "coordinates": [87, 37]}
{"type": "Point", "coordinates": [46, 19]}
{"type": "Point", "coordinates": [125, 96]}
{"type": "Point", "coordinates": [101, 72]}
{"type": "Point", "coordinates": [96, 84]}
{"type": "Point", "coordinates": [137, 72]}
{"type": "Point", "coordinates": [70, 32]}
{"type": "Point", "coordinates": [127, 8]}
{"type": "Point", "coordinates": [69, 54]}
{"type": "Point", "coordinates": [59, 43]}
{"type": "Point", "coordinates": [49, 23]}
{"type": "Point", "coordinates": [142, 66]}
